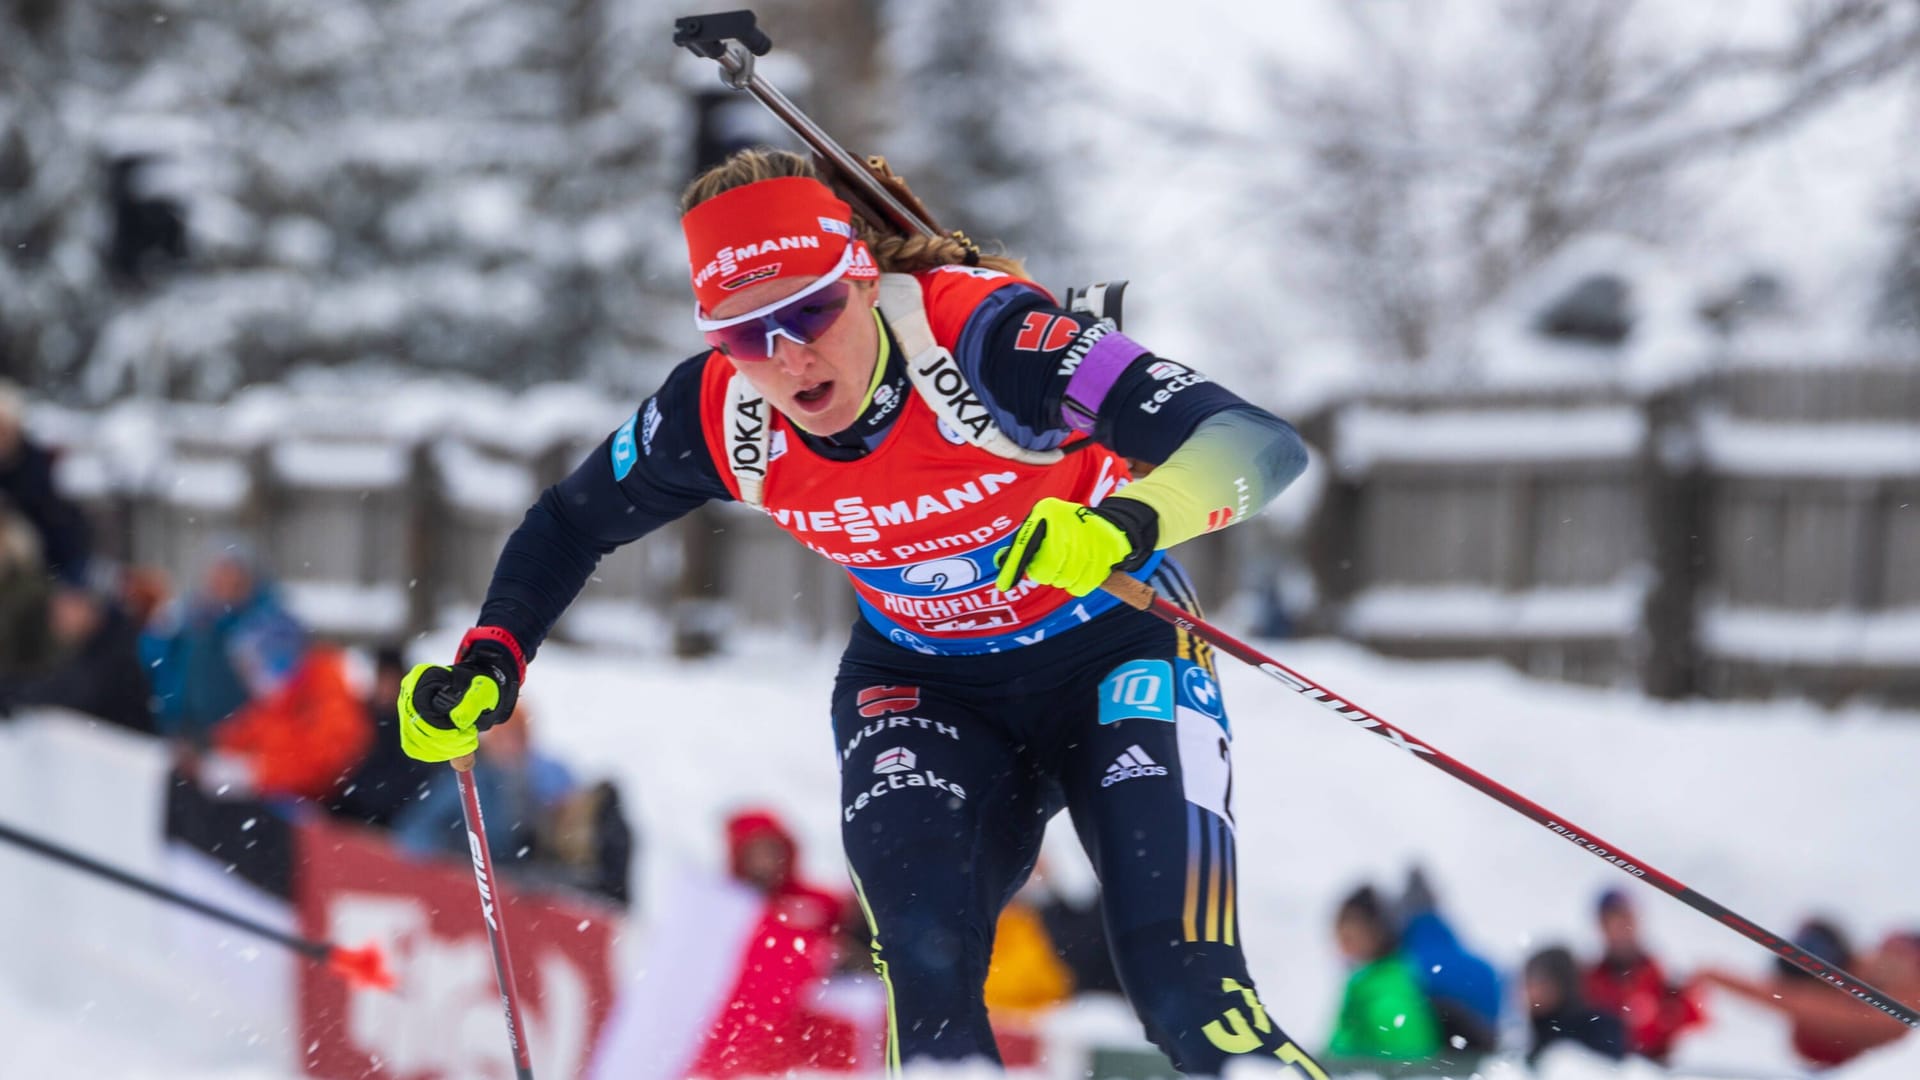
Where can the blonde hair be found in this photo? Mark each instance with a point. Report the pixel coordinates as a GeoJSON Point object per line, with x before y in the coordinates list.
{"type": "Point", "coordinates": [895, 253]}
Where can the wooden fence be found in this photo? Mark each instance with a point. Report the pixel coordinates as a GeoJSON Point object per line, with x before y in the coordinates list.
{"type": "Point", "coordinates": [1750, 533]}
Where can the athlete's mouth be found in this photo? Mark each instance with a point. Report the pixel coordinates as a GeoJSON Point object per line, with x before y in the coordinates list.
{"type": "Point", "coordinates": [814, 398]}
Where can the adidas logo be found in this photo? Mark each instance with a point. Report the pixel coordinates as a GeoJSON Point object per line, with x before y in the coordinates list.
{"type": "Point", "coordinates": [1131, 765]}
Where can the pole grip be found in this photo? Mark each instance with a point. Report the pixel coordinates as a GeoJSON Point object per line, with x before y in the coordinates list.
{"type": "Point", "coordinates": [462, 764]}
{"type": "Point", "coordinates": [1132, 591]}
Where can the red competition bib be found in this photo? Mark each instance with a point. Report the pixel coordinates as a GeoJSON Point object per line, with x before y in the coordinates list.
{"type": "Point", "coordinates": [918, 521]}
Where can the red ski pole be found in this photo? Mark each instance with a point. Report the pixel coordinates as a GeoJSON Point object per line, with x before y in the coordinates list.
{"type": "Point", "coordinates": [1140, 595]}
{"type": "Point", "coordinates": [489, 910]}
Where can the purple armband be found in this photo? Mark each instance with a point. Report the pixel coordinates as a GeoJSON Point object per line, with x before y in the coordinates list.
{"type": "Point", "coordinates": [1093, 379]}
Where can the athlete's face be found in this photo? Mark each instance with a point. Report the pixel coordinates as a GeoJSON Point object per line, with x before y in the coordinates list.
{"type": "Point", "coordinates": [821, 386]}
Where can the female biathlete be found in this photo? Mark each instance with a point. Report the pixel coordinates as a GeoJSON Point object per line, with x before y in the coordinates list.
{"type": "Point", "coordinates": [926, 417]}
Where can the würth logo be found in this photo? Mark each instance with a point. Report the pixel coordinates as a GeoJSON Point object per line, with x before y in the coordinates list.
{"type": "Point", "coordinates": [881, 700]}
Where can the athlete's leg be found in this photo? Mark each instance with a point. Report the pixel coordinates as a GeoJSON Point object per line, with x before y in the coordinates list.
{"type": "Point", "coordinates": [1149, 781]}
{"type": "Point", "coordinates": [941, 816]}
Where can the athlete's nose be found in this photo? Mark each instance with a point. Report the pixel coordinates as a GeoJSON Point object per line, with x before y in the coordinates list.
{"type": "Point", "coordinates": [791, 356]}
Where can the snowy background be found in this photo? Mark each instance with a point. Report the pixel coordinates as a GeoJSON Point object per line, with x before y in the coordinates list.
{"type": "Point", "coordinates": [1312, 198]}
{"type": "Point", "coordinates": [1777, 811]}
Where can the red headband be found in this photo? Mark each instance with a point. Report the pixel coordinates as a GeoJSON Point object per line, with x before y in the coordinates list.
{"type": "Point", "coordinates": [789, 227]}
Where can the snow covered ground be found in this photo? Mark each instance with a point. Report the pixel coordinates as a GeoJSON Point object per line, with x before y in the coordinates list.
{"type": "Point", "coordinates": [1776, 810]}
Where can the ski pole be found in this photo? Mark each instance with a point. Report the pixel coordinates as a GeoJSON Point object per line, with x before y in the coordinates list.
{"type": "Point", "coordinates": [365, 967]}
{"type": "Point", "coordinates": [496, 928]}
{"type": "Point", "coordinates": [732, 39]}
{"type": "Point", "coordinates": [1140, 595]}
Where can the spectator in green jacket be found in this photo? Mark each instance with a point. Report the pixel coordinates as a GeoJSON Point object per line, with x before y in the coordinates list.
{"type": "Point", "coordinates": [1383, 1014]}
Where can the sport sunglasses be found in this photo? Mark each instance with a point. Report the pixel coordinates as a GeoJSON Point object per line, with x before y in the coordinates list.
{"type": "Point", "coordinates": [800, 318]}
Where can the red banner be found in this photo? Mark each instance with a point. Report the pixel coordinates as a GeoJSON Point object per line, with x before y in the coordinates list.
{"type": "Point", "coordinates": [445, 1021]}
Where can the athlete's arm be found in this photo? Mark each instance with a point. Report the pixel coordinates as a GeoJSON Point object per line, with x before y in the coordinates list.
{"type": "Point", "coordinates": [653, 469]}
{"type": "Point", "coordinates": [1218, 458]}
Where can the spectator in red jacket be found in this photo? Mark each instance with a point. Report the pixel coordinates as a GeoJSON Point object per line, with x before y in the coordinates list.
{"type": "Point", "coordinates": [1628, 983]}
{"type": "Point", "coordinates": [768, 1026]}
{"type": "Point", "coordinates": [1828, 1026]}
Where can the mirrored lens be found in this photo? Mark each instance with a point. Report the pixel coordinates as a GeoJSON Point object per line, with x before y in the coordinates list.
{"type": "Point", "coordinates": [804, 321]}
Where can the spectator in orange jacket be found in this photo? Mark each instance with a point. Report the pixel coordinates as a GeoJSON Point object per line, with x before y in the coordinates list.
{"type": "Point", "coordinates": [305, 737]}
{"type": "Point", "coordinates": [1829, 1027]}
{"type": "Point", "coordinates": [768, 1026]}
{"type": "Point", "coordinates": [1628, 983]}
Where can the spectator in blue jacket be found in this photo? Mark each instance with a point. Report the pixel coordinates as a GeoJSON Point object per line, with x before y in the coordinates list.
{"type": "Point", "coordinates": [1464, 988]}
{"type": "Point", "coordinates": [230, 642]}
{"type": "Point", "coordinates": [520, 789]}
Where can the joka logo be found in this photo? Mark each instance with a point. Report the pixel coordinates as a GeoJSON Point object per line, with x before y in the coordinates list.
{"type": "Point", "coordinates": [1132, 765]}
{"type": "Point", "coordinates": [881, 700]}
{"type": "Point", "coordinates": [1138, 688]}
{"type": "Point", "coordinates": [898, 759]}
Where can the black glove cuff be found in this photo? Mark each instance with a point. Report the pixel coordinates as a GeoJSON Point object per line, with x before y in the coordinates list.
{"type": "Point", "coordinates": [1139, 521]}
{"type": "Point", "coordinates": [498, 661]}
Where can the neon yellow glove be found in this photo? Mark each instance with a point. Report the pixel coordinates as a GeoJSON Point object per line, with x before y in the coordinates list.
{"type": "Point", "coordinates": [443, 709]}
{"type": "Point", "coordinates": [1074, 547]}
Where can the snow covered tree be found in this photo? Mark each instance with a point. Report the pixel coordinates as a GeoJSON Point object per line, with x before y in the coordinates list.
{"type": "Point", "coordinates": [1465, 144]}
{"type": "Point", "coordinates": [480, 187]}
{"type": "Point", "coordinates": [966, 124]}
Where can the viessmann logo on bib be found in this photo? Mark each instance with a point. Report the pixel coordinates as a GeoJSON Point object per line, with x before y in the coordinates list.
{"type": "Point", "coordinates": [862, 522]}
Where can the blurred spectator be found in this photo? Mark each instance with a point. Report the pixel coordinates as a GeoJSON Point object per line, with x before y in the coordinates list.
{"type": "Point", "coordinates": [1025, 974]}
{"type": "Point", "coordinates": [1383, 1012]}
{"type": "Point", "coordinates": [387, 780]}
{"type": "Point", "coordinates": [303, 738]}
{"type": "Point", "coordinates": [1828, 1026]}
{"type": "Point", "coordinates": [590, 845]}
{"type": "Point", "coordinates": [234, 800]}
{"type": "Point", "coordinates": [1464, 989]}
{"type": "Point", "coordinates": [25, 645]}
{"type": "Point", "coordinates": [1079, 933]}
{"type": "Point", "coordinates": [1628, 983]}
{"type": "Point", "coordinates": [518, 784]}
{"type": "Point", "coordinates": [1557, 1011]}
{"type": "Point", "coordinates": [228, 643]}
{"type": "Point", "coordinates": [26, 485]}
{"type": "Point", "coordinates": [96, 669]}
{"type": "Point", "coordinates": [144, 592]}
{"type": "Point", "coordinates": [541, 824]}
{"type": "Point", "coordinates": [768, 1025]}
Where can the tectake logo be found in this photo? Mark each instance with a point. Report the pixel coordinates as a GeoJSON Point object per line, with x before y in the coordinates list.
{"type": "Point", "coordinates": [897, 766]}
{"type": "Point", "coordinates": [1176, 377]}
